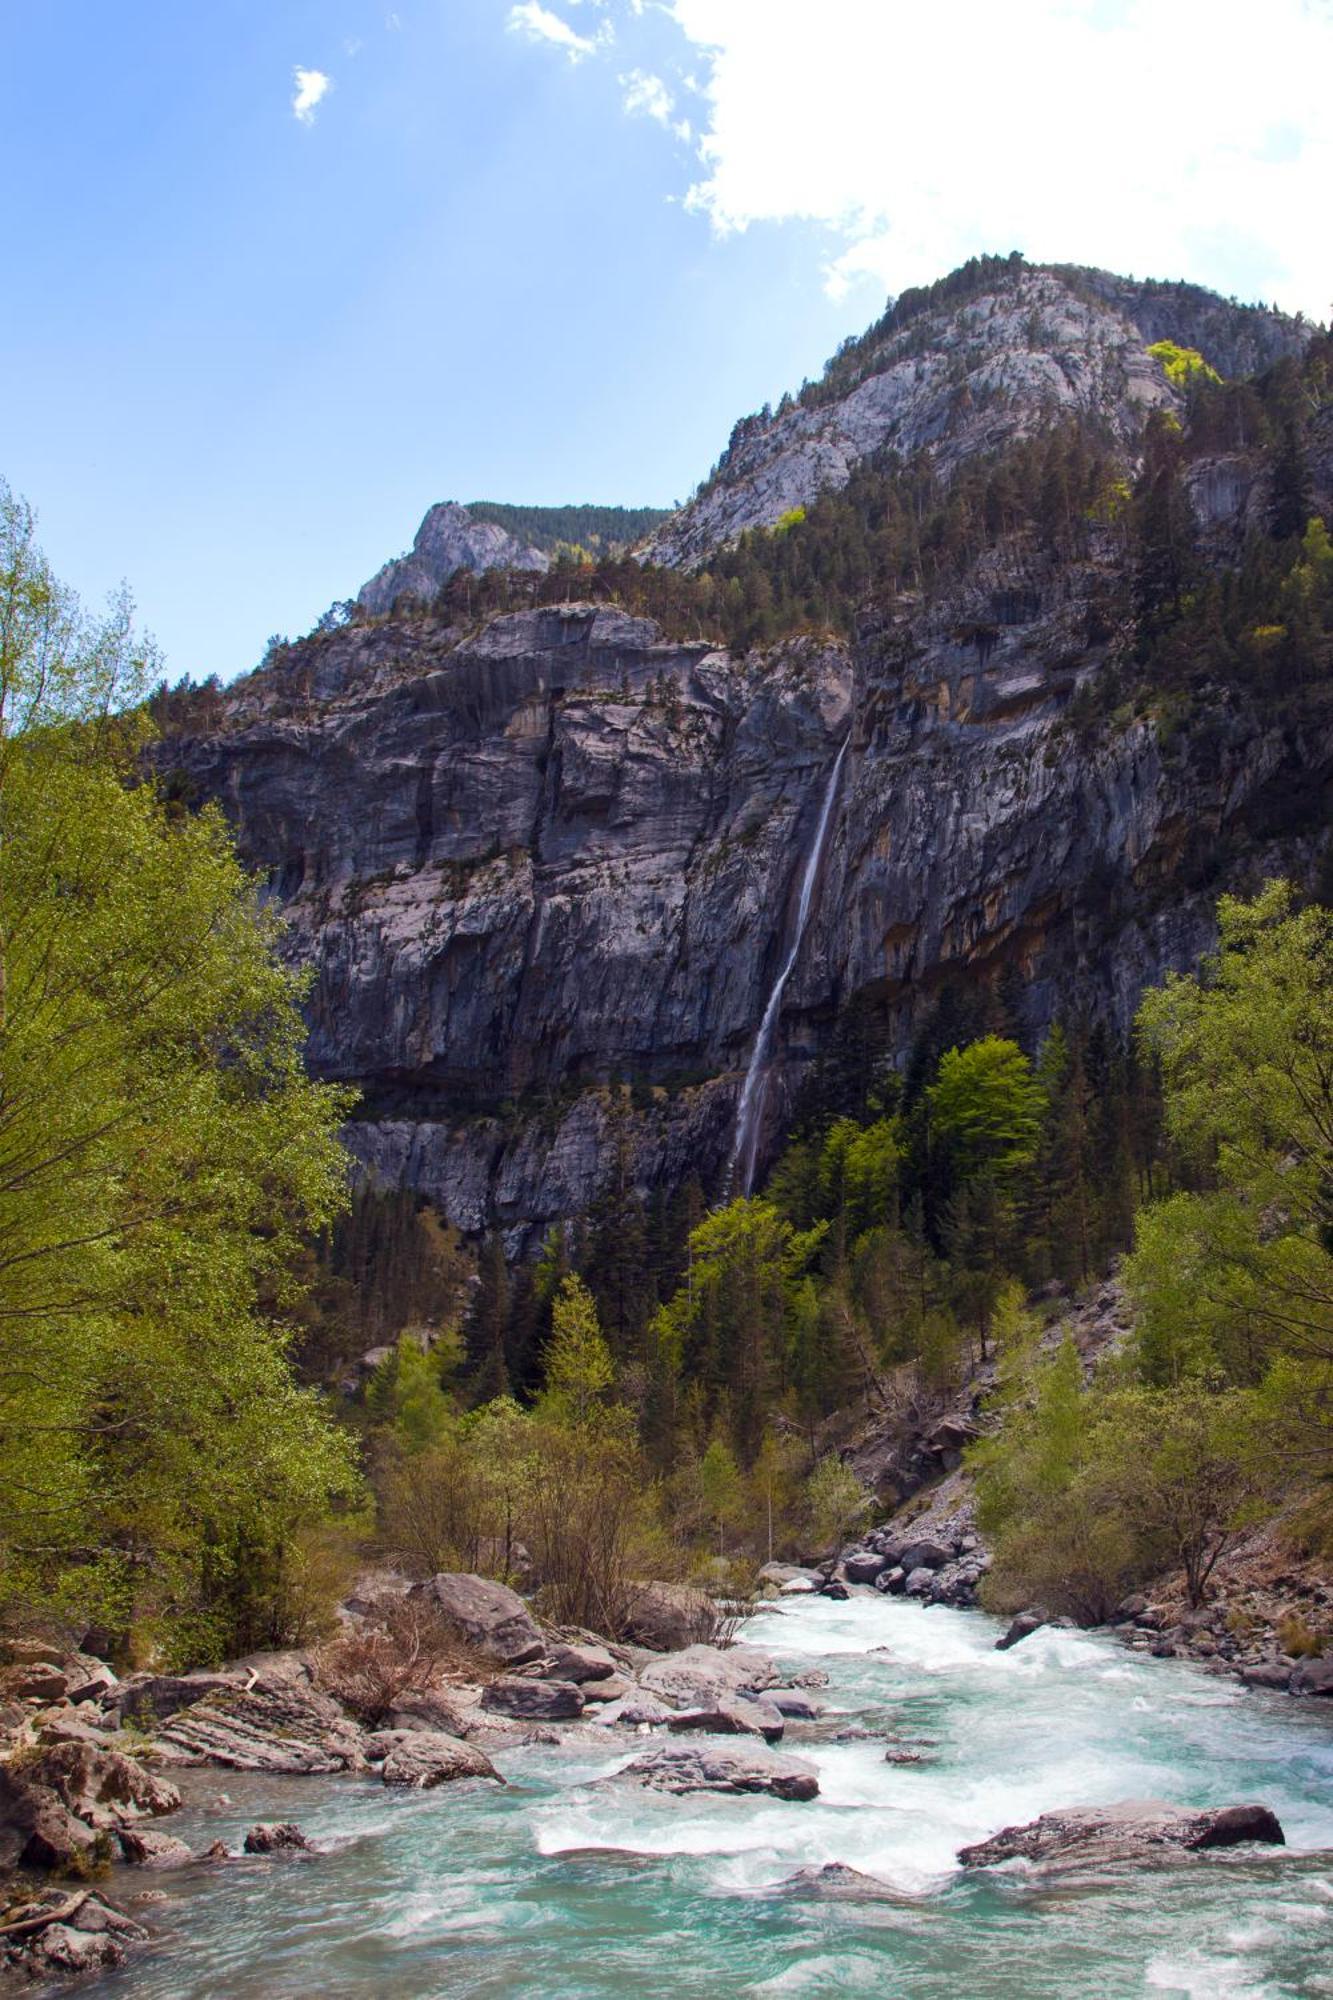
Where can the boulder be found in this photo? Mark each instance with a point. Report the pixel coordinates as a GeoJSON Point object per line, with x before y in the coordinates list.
{"type": "Point", "coordinates": [793, 1705]}
{"type": "Point", "coordinates": [801, 1586]}
{"type": "Point", "coordinates": [635, 1710]}
{"type": "Point", "coordinates": [682, 1768]}
{"type": "Point", "coordinates": [41, 1680]}
{"type": "Point", "coordinates": [76, 1935]}
{"type": "Point", "coordinates": [779, 1574]}
{"type": "Point", "coordinates": [37, 1830]}
{"type": "Point", "coordinates": [614, 1689]}
{"type": "Point", "coordinates": [488, 1615]}
{"type": "Point", "coordinates": [566, 1662]}
{"type": "Point", "coordinates": [863, 1565]}
{"type": "Point", "coordinates": [1022, 1627]}
{"type": "Point", "coordinates": [697, 1675]}
{"type": "Point", "coordinates": [924, 1554]}
{"type": "Point", "coordinates": [421, 1759]}
{"type": "Point", "coordinates": [1137, 1830]}
{"type": "Point", "coordinates": [1314, 1676]}
{"type": "Point", "coordinates": [143, 1848]}
{"type": "Point", "coordinates": [276, 1837]}
{"type": "Point", "coordinates": [1267, 1674]}
{"type": "Point", "coordinates": [533, 1701]}
{"type": "Point", "coordinates": [104, 1788]}
{"type": "Point", "coordinates": [834, 1588]}
{"type": "Point", "coordinates": [668, 1616]}
{"type": "Point", "coordinates": [732, 1716]}
{"type": "Point", "coordinates": [919, 1581]}
{"type": "Point", "coordinates": [892, 1581]}
{"type": "Point", "coordinates": [280, 1723]}
{"type": "Point", "coordinates": [427, 1710]}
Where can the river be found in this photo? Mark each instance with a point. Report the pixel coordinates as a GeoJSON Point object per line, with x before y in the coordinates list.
{"type": "Point", "coordinates": [563, 1886]}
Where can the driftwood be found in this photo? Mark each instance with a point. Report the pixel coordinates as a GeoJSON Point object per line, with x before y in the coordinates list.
{"type": "Point", "coordinates": [27, 1926]}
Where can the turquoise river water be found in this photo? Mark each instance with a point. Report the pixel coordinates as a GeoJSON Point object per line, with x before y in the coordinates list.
{"type": "Point", "coordinates": [566, 1885]}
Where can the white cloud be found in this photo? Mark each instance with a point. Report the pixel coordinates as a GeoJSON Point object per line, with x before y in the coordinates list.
{"type": "Point", "coordinates": [1186, 141]}
{"type": "Point", "coordinates": [648, 96]}
{"type": "Point", "coordinates": [538, 24]}
{"type": "Point", "coordinates": [312, 87]}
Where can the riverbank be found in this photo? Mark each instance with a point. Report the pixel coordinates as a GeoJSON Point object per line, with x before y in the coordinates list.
{"type": "Point", "coordinates": [573, 1881]}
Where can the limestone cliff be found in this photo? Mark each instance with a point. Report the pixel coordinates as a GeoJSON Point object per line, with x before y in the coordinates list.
{"type": "Point", "coordinates": [447, 540]}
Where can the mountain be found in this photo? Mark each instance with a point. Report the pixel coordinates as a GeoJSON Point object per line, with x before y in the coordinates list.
{"type": "Point", "coordinates": [489, 535]}
{"type": "Point", "coordinates": [545, 861]}
{"type": "Point", "coordinates": [991, 354]}
{"type": "Point", "coordinates": [448, 540]}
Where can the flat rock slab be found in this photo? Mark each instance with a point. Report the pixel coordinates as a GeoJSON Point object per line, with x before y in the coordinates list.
{"type": "Point", "coordinates": [711, 1768]}
{"type": "Point", "coordinates": [568, 1662]}
{"type": "Point", "coordinates": [279, 1724]}
{"type": "Point", "coordinates": [697, 1676]}
{"type": "Point", "coordinates": [1136, 1830]}
{"type": "Point", "coordinates": [533, 1701]}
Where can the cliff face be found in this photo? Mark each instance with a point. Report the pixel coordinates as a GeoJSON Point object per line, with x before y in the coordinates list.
{"type": "Point", "coordinates": [546, 872]}
{"type": "Point", "coordinates": [562, 853]}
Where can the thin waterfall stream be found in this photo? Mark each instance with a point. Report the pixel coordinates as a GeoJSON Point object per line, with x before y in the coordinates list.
{"type": "Point", "coordinates": [750, 1109]}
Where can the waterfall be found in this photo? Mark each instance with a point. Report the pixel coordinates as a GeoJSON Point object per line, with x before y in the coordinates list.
{"type": "Point", "coordinates": [750, 1110]}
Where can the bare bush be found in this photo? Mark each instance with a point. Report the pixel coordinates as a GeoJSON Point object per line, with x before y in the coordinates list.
{"type": "Point", "coordinates": [404, 1648]}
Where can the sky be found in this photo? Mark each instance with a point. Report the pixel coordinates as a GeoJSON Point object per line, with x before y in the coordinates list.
{"type": "Point", "coordinates": [284, 272]}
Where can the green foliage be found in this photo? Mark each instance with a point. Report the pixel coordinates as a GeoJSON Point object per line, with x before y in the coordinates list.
{"type": "Point", "coordinates": [1182, 365]}
{"type": "Point", "coordinates": [162, 1156]}
{"type": "Point", "coordinates": [578, 1361]}
{"type": "Point", "coordinates": [986, 1107]}
{"type": "Point", "coordinates": [604, 530]}
{"type": "Point", "coordinates": [836, 1502]}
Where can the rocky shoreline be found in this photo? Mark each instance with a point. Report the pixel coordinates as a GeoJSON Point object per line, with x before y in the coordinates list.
{"type": "Point", "coordinates": [89, 1762]}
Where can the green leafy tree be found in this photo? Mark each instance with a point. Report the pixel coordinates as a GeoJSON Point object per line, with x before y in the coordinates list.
{"type": "Point", "coordinates": [162, 1156]}
{"type": "Point", "coordinates": [579, 1369]}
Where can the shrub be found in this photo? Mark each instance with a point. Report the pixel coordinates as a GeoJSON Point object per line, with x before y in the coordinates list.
{"type": "Point", "coordinates": [405, 1648]}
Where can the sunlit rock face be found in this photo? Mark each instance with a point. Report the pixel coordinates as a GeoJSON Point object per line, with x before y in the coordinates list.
{"type": "Point", "coordinates": [961, 380]}
{"type": "Point", "coordinates": [447, 540]}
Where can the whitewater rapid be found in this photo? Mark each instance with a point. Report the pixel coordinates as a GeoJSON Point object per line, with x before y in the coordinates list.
{"type": "Point", "coordinates": [568, 1884]}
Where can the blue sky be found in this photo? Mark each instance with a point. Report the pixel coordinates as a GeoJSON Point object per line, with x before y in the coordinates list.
{"type": "Point", "coordinates": [258, 320]}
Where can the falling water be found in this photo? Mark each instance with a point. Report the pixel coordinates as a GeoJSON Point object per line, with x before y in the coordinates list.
{"type": "Point", "coordinates": [750, 1110]}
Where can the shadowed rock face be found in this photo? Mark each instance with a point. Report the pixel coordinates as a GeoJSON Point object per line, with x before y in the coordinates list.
{"type": "Point", "coordinates": [564, 851]}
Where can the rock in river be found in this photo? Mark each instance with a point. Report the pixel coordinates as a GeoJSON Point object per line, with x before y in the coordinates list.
{"type": "Point", "coordinates": [710, 1768]}
{"type": "Point", "coordinates": [1136, 1830]}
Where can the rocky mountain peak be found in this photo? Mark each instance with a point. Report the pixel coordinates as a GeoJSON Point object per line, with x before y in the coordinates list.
{"type": "Point", "coordinates": [994, 352]}
{"type": "Point", "coordinates": [449, 539]}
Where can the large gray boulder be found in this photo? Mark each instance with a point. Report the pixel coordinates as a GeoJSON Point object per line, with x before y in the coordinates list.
{"type": "Point", "coordinates": [568, 1662]}
{"type": "Point", "coordinates": [668, 1616]}
{"type": "Point", "coordinates": [711, 1768]}
{"type": "Point", "coordinates": [698, 1675]}
{"type": "Point", "coordinates": [142, 1848]}
{"type": "Point", "coordinates": [421, 1759]}
{"type": "Point", "coordinates": [1136, 1830]}
{"type": "Point", "coordinates": [488, 1615]}
{"type": "Point", "coordinates": [1314, 1676]}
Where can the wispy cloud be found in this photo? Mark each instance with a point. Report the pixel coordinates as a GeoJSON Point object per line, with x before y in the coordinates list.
{"type": "Point", "coordinates": [312, 87]}
{"type": "Point", "coordinates": [538, 24]}
{"type": "Point", "coordinates": [913, 137]}
{"type": "Point", "coordinates": [647, 96]}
